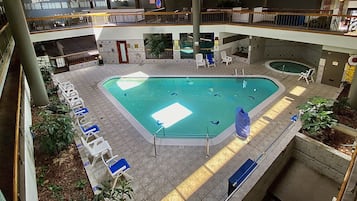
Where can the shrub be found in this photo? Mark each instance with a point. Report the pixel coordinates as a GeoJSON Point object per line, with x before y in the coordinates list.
{"type": "Point", "coordinates": [121, 192]}
{"type": "Point", "coordinates": [316, 114]}
{"type": "Point", "coordinates": [55, 131]}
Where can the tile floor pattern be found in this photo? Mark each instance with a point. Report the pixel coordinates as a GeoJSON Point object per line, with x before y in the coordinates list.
{"type": "Point", "coordinates": [155, 178]}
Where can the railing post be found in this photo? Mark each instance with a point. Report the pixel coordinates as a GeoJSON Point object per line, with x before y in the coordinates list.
{"type": "Point", "coordinates": [250, 20]}
{"type": "Point", "coordinates": [207, 145]}
{"type": "Point", "coordinates": [155, 152]}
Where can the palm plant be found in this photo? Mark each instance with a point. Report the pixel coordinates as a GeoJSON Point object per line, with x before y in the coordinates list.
{"type": "Point", "coordinates": [157, 44]}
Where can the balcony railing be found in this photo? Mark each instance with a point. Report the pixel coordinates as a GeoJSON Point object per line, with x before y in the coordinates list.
{"type": "Point", "coordinates": [323, 22]}
{"type": "Point", "coordinates": [6, 48]}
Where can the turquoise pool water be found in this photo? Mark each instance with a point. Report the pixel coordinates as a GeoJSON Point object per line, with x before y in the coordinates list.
{"type": "Point", "coordinates": [200, 105]}
{"type": "Point", "coordinates": [286, 66]}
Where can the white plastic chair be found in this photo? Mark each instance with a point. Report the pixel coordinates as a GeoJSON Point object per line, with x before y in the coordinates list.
{"type": "Point", "coordinates": [225, 59]}
{"type": "Point", "coordinates": [308, 75]}
{"type": "Point", "coordinates": [199, 60]}
{"type": "Point", "coordinates": [97, 147]}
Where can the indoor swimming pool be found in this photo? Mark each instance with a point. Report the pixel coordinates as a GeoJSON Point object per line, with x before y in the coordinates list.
{"type": "Point", "coordinates": [186, 107]}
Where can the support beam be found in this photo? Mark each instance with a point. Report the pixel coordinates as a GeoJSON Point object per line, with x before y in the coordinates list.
{"type": "Point", "coordinates": [196, 14]}
{"type": "Point", "coordinates": [352, 96]}
{"type": "Point", "coordinates": [17, 21]}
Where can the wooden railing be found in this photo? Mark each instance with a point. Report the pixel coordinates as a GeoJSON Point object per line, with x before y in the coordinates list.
{"type": "Point", "coordinates": [323, 22]}
{"type": "Point", "coordinates": [16, 170]}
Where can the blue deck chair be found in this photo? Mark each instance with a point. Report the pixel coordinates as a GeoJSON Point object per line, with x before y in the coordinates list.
{"type": "Point", "coordinates": [210, 60]}
{"type": "Point", "coordinates": [116, 166]}
{"type": "Point", "coordinates": [80, 112]}
{"type": "Point", "coordinates": [88, 129]}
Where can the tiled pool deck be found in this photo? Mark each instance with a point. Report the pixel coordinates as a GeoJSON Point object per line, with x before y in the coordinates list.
{"type": "Point", "coordinates": [184, 172]}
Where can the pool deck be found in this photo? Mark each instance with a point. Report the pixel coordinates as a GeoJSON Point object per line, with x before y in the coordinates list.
{"type": "Point", "coordinates": [185, 172]}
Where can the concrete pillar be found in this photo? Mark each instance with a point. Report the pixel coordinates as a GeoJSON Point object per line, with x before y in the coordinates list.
{"type": "Point", "coordinates": [17, 21]}
{"type": "Point", "coordinates": [353, 92]}
{"type": "Point", "coordinates": [196, 14]}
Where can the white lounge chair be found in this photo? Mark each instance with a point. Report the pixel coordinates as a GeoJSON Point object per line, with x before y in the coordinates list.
{"type": "Point", "coordinates": [70, 96]}
{"type": "Point", "coordinates": [210, 60]}
{"type": "Point", "coordinates": [200, 61]}
{"type": "Point", "coordinates": [75, 102]}
{"type": "Point", "coordinates": [308, 75]}
{"type": "Point", "coordinates": [225, 59]}
{"type": "Point", "coordinates": [96, 148]}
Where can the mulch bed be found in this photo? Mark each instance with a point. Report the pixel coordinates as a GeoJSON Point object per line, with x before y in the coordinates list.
{"type": "Point", "coordinates": [62, 177]}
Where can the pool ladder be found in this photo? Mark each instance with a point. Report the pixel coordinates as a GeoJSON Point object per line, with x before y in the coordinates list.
{"type": "Point", "coordinates": [158, 130]}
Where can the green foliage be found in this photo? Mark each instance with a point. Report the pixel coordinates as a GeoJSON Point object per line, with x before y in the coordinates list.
{"type": "Point", "coordinates": [55, 131]}
{"type": "Point", "coordinates": [56, 191]}
{"type": "Point", "coordinates": [157, 44]}
{"type": "Point", "coordinates": [80, 184]}
{"type": "Point", "coordinates": [47, 74]}
{"type": "Point", "coordinates": [342, 104]}
{"type": "Point", "coordinates": [57, 107]}
{"type": "Point", "coordinates": [47, 79]}
{"type": "Point", "coordinates": [316, 114]}
{"type": "Point", "coordinates": [121, 192]}
{"type": "Point", "coordinates": [124, 189]}
{"type": "Point", "coordinates": [41, 175]}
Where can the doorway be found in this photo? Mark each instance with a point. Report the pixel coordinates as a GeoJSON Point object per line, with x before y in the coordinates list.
{"type": "Point", "coordinates": [122, 52]}
{"type": "Point", "coordinates": [334, 67]}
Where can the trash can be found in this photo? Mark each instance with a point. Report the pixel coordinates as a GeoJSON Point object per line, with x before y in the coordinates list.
{"type": "Point", "coordinates": [242, 123]}
{"type": "Point", "coordinates": [241, 175]}
{"type": "Point", "coordinates": [100, 60]}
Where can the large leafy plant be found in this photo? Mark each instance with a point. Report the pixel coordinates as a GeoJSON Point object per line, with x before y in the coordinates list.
{"type": "Point", "coordinates": [121, 192]}
{"type": "Point", "coordinates": [53, 128]}
{"type": "Point", "coordinates": [55, 131]}
{"type": "Point", "coordinates": [317, 114]}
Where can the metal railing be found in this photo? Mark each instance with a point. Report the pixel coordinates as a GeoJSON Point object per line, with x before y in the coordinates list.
{"type": "Point", "coordinates": [324, 22]}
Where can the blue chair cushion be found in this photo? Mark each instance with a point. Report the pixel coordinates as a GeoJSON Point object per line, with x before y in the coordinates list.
{"type": "Point", "coordinates": [210, 58]}
{"type": "Point", "coordinates": [121, 164]}
{"type": "Point", "coordinates": [94, 128]}
{"type": "Point", "coordinates": [81, 112]}
{"type": "Point", "coordinates": [242, 173]}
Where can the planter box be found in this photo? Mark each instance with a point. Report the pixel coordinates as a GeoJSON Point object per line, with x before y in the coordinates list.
{"type": "Point", "coordinates": [320, 157]}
